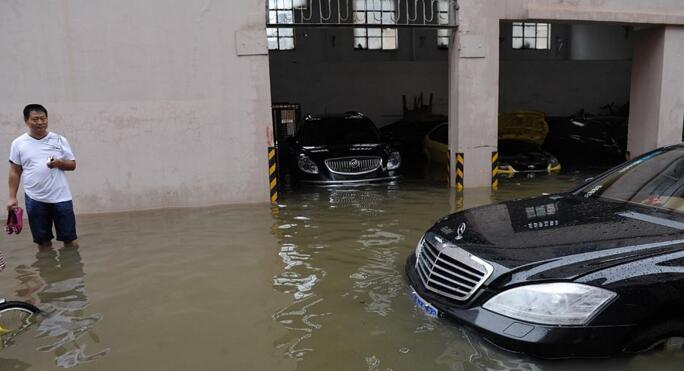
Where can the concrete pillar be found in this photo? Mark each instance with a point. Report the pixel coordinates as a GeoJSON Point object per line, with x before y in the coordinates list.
{"type": "Point", "coordinates": [657, 89]}
{"type": "Point", "coordinates": [474, 90]}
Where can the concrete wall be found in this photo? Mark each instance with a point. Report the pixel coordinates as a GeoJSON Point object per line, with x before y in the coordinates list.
{"type": "Point", "coordinates": [160, 109]}
{"type": "Point", "coordinates": [657, 112]}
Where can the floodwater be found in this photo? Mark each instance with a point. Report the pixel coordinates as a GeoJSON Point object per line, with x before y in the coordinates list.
{"type": "Point", "coordinates": [316, 283]}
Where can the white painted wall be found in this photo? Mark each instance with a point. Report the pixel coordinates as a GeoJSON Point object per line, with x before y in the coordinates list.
{"type": "Point", "coordinates": [158, 106]}
{"type": "Point", "coordinates": [657, 112]}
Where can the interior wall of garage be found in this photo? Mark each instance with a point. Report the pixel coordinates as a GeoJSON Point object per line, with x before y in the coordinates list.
{"type": "Point", "coordinates": [325, 74]}
{"type": "Point", "coordinates": [165, 103]}
{"type": "Point", "coordinates": [587, 66]}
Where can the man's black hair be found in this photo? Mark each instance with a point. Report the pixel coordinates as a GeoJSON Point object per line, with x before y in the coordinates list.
{"type": "Point", "coordinates": [33, 108]}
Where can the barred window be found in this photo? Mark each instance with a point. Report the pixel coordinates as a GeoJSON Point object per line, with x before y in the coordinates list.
{"type": "Point", "coordinates": [443, 33]}
{"type": "Point", "coordinates": [281, 12]}
{"type": "Point", "coordinates": [375, 12]}
{"type": "Point", "coordinates": [531, 35]}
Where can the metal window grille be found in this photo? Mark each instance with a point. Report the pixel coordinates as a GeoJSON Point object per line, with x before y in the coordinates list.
{"type": "Point", "coordinates": [344, 13]}
{"type": "Point", "coordinates": [375, 12]}
{"type": "Point", "coordinates": [443, 18]}
{"type": "Point", "coordinates": [531, 35]}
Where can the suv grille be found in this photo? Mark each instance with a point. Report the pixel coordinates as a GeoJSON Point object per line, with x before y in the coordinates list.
{"type": "Point", "coordinates": [450, 271]}
{"type": "Point", "coordinates": [353, 165]}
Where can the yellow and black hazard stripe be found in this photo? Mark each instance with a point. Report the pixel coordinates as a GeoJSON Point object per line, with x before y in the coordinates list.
{"type": "Point", "coordinates": [273, 174]}
{"type": "Point", "coordinates": [495, 170]}
{"type": "Point", "coordinates": [459, 171]}
{"type": "Point", "coordinates": [448, 167]}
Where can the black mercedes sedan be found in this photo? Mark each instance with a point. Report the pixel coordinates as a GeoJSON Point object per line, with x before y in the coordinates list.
{"type": "Point", "coordinates": [338, 149]}
{"type": "Point", "coordinates": [591, 272]}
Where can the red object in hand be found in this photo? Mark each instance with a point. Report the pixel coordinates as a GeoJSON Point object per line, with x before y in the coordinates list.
{"type": "Point", "coordinates": [15, 220]}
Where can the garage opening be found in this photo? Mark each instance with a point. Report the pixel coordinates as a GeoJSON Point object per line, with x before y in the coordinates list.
{"type": "Point", "coordinates": [384, 61]}
{"type": "Point", "coordinates": [577, 77]}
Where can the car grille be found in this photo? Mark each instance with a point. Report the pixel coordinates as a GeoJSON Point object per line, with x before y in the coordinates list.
{"type": "Point", "coordinates": [353, 165]}
{"type": "Point", "coordinates": [450, 271]}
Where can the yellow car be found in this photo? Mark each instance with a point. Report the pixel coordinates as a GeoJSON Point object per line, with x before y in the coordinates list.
{"type": "Point", "coordinates": [515, 156]}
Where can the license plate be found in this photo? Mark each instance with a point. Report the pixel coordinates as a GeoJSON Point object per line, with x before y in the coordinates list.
{"type": "Point", "coordinates": [423, 304]}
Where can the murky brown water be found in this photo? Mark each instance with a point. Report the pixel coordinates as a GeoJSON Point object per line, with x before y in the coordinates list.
{"type": "Point", "coordinates": [315, 284]}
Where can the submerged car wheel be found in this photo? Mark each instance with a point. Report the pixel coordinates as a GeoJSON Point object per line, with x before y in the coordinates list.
{"type": "Point", "coordinates": [667, 335]}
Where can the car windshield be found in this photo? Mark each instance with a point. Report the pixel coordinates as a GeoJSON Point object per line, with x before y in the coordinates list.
{"type": "Point", "coordinates": [656, 179]}
{"type": "Point", "coordinates": [339, 130]}
{"type": "Point", "coordinates": [441, 134]}
{"type": "Point", "coordinates": [512, 147]}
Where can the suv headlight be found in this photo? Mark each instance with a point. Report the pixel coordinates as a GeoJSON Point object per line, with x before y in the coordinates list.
{"type": "Point", "coordinates": [307, 165]}
{"type": "Point", "coordinates": [559, 303]}
{"type": "Point", "coordinates": [393, 161]}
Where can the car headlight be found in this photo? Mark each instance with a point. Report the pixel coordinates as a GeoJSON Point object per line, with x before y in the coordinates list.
{"type": "Point", "coordinates": [559, 303]}
{"type": "Point", "coordinates": [393, 161]}
{"type": "Point", "coordinates": [306, 164]}
{"type": "Point", "coordinates": [419, 248]}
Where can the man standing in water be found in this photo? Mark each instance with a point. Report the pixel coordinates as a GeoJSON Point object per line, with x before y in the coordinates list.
{"type": "Point", "coordinates": [39, 158]}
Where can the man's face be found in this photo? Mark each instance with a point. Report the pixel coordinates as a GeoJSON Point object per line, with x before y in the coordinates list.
{"type": "Point", "coordinates": [37, 124]}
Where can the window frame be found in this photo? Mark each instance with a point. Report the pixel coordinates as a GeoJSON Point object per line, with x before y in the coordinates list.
{"type": "Point", "coordinates": [281, 34]}
{"type": "Point", "coordinates": [381, 34]}
{"type": "Point", "coordinates": [443, 34]}
{"type": "Point", "coordinates": [531, 35]}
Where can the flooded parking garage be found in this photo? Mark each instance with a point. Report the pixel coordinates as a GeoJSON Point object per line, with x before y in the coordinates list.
{"type": "Point", "coordinates": [314, 284]}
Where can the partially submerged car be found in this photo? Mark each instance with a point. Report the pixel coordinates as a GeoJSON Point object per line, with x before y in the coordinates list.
{"type": "Point", "coordinates": [591, 272]}
{"type": "Point", "coordinates": [515, 156]}
{"type": "Point", "coordinates": [338, 149]}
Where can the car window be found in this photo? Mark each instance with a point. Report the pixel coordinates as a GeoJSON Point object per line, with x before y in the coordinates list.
{"type": "Point", "coordinates": [440, 134]}
{"type": "Point", "coordinates": [656, 179]}
{"type": "Point", "coordinates": [339, 130]}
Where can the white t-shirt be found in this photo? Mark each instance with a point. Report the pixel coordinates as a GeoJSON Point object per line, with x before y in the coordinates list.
{"type": "Point", "coordinates": [40, 182]}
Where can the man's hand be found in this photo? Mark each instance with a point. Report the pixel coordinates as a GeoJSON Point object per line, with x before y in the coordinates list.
{"type": "Point", "coordinates": [65, 165]}
{"type": "Point", "coordinates": [53, 163]}
{"type": "Point", "coordinates": [12, 203]}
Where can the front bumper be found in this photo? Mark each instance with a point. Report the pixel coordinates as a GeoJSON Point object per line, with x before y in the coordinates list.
{"type": "Point", "coordinates": [350, 181]}
{"type": "Point", "coordinates": [543, 341]}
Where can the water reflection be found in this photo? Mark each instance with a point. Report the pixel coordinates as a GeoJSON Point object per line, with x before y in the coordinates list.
{"type": "Point", "coordinates": [55, 283]}
{"type": "Point", "coordinates": [343, 252]}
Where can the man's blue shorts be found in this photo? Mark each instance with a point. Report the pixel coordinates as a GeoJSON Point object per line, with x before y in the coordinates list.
{"type": "Point", "coordinates": [42, 215]}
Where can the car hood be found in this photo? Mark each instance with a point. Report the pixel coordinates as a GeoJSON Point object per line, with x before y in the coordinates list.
{"type": "Point", "coordinates": [560, 237]}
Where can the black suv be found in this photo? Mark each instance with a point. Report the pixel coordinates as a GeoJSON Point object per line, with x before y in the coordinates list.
{"type": "Point", "coordinates": [591, 272]}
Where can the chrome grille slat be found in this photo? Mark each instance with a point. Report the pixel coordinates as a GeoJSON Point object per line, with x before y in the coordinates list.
{"type": "Point", "coordinates": [474, 282]}
{"type": "Point", "coordinates": [466, 286]}
{"type": "Point", "coordinates": [450, 288]}
{"type": "Point", "coordinates": [344, 165]}
{"type": "Point", "coordinates": [449, 270]}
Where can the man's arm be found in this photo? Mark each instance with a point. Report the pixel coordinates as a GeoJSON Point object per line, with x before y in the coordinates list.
{"type": "Point", "coordinates": [66, 165]}
{"type": "Point", "coordinates": [14, 176]}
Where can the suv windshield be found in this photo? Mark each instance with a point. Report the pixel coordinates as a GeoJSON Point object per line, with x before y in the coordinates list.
{"type": "Point", "coordinates": [339, 130]}
{"type": "Point", "coordinates": [656, 179]}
